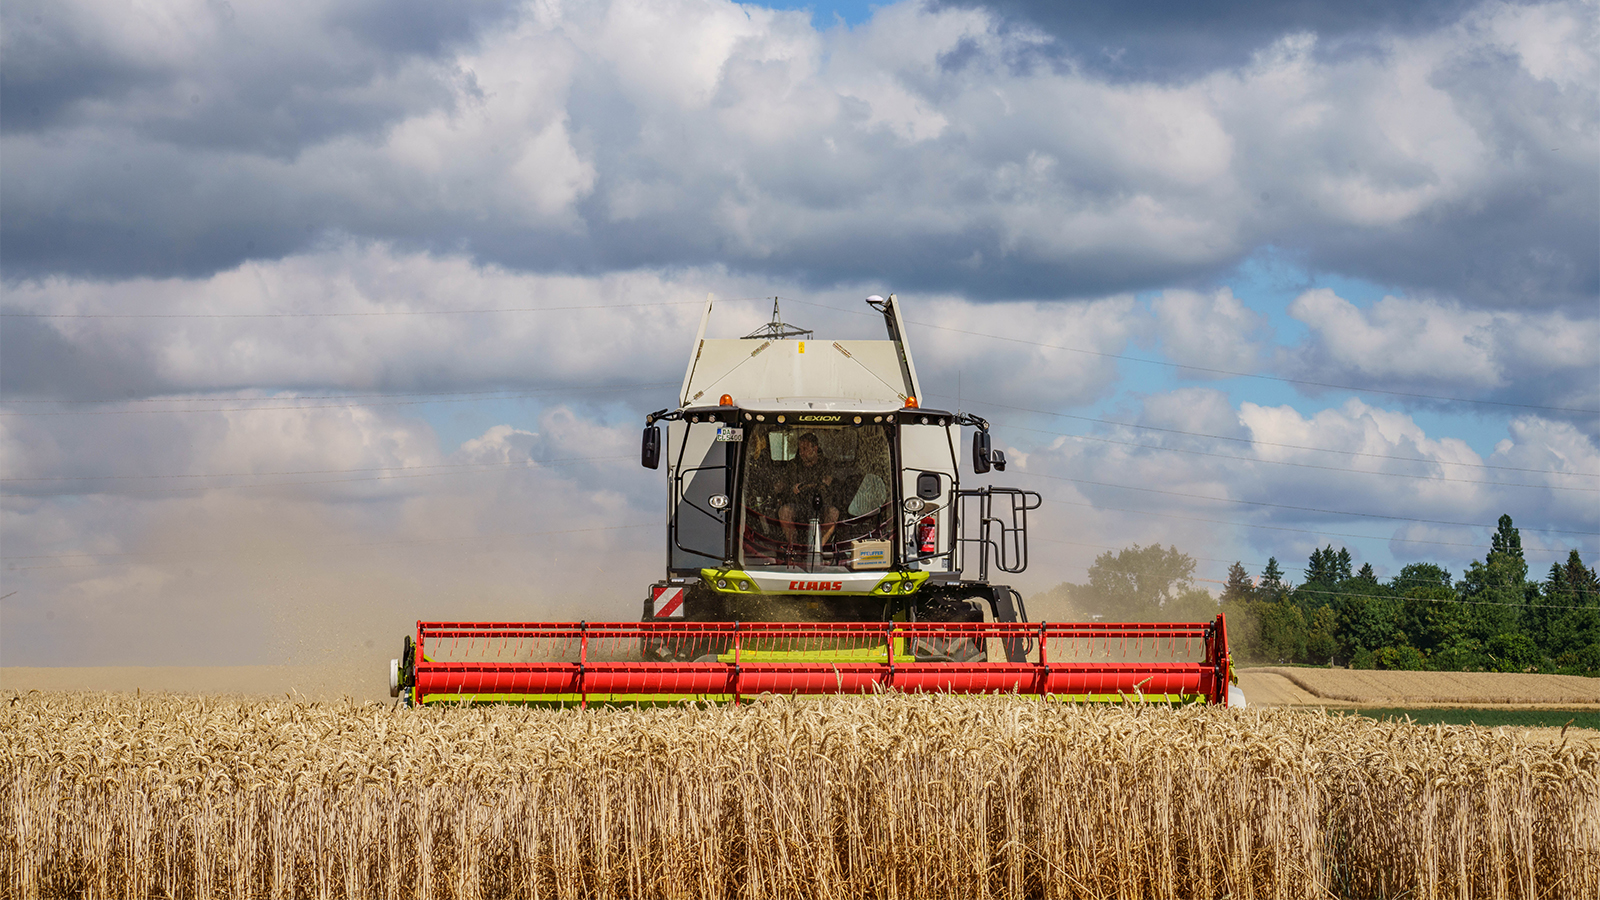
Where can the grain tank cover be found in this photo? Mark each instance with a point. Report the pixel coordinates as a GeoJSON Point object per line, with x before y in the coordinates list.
{"type": "Point", "coordinates": [787, 373]}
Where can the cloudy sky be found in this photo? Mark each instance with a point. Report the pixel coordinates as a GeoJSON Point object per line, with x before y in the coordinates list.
{"type": "Point", "coordinates": [323, 316]}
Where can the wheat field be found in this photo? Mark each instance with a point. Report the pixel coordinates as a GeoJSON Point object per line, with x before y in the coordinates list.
{"type": "Point", "coordinates": [107, 795]}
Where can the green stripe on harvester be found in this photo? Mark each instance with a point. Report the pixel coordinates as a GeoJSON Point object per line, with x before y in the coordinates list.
{"type": "Point", "coordinates": [850, 657]}
{"type": "Point", "coordinates": [1129, 698]}
{"type": "Point", "coordinates": [577, 699]}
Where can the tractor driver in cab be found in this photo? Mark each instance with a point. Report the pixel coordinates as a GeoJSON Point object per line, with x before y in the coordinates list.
{"type": "Point", "coordinates": [808, 492]}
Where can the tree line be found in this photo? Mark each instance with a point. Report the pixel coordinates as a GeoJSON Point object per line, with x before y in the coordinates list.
{"type": "Point", "coordinates": [1493, 618]}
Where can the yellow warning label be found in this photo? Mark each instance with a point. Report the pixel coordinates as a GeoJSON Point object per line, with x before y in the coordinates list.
{"type": "Point", "coordinates": [802, 346]}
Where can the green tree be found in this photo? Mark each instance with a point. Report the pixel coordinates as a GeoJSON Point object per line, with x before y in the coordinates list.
{"type": "Point", "coordinates": [1239, 586]}
{"type": "Point", "coordinates": [1434, 620]}
{"type": "Point", "coordinates": [1498, 587]}
{"type": "Point", "coordinates": [1322, 635]}
{"type": "Point", "coordinates": [1512, 651]}
{"type": "Point", "coordinates": [1193, 604]}
{"type": "Point", "coordinates": [1137, 583]}
{"type": "Point", "coordinates": [1369, 620]}
{"type": "Point", "coordinates": [1058, 604]}
{"type": "Point", "coordinates": [1403, 657]}
{"type": "Point", "coordinates": [1565, 622]}
{"type": "Point", "coordinates": [1426, 574]}
{"type": "Point", "coordinates": [1240, 606]}
{"type": "Point", "coordinates": [1320, 567]}
{"type": "Point", "coordinates": [1580, 580]}
{"type": "Point", "coordinates": [1328, 567]}
{"type": "Point", "coordinates": [1282, 632]}
{"type": "Point", "coordinates": [1366, 575]}
{"type": "Point", "coordinates": [1341, 565]}
{"type": "Point", "coordinates": [1272, 583]}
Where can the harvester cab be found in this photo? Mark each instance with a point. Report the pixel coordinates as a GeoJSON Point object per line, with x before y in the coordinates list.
{"type": "Point", "coordinates": [808, 482]}
{"type": "Point", "coordinates": [819, 540]}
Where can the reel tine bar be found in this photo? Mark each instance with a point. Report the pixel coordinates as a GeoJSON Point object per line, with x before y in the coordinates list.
{"type": "Point", "coordinates": [612, 661]}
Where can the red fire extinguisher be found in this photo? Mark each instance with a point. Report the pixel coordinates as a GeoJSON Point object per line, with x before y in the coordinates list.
{"type": "Point", "coordinates": [925, 535]}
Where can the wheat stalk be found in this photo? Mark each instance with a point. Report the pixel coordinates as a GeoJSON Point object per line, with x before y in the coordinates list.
{"type": "Point", "coordinates": [889, 796]}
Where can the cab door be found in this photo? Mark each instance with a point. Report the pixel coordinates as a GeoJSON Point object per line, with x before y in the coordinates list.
{"type": "Point", "coordinates": [697, 532]}
{"type": "Point", "coordinates": [928, 472]}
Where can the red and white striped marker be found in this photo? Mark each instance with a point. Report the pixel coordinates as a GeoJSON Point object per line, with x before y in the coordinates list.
{"type": "Point", "coordinates": [667, 602]}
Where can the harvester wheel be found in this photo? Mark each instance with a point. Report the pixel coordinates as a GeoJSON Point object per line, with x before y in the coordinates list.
{"type": "Point", "coordinates": [947, 608]}
{"type": "Point", "coordinates": [401, 669]}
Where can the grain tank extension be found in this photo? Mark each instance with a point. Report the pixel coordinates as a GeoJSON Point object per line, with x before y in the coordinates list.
{"type": "Point", "coordinates": [819, 539]}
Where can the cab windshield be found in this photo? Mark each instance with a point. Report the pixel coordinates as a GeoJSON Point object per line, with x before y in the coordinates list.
{"type": "Point", "coordinates": [816, 498]}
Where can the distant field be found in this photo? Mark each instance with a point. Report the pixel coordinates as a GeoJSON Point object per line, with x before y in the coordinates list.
{"type": "Point", "coordinates": [1492, 718]}
{"type": "Point", "coordinates": [359, 680]}
{"type": "Point", "coordinates": [1296, 686]}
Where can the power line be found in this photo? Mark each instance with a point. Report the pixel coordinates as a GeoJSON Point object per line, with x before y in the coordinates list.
{"type": "Point", "coordinates": [236, 399]}
{"type": "Point", "coordinates": [1364, 537]}
{"type": "Point", "coordinates": [275, 484]}
{"type": "Point", "coordinates": [510, 394]}
{"type": "Point", "coordinates": [293, 472]}
{"type": "Point", "coordinates": [1256, 442]}
{"type": "Point", "coordinates": [336, 315]}
{"type": "Point", "coordinates": [1282, 462]}
{"type": "Point", "coordinates": [1333, 512]}
{"type": "Point", "coordinates": [529, 394]}
{"type": "Point", "coordinates": [465, 468]}
{"type": "Point", "coordinates": [353, 546]}
{"type": "Point", "coordinates": [1229, 372]}
{"type": "Point", "coordinates": [1396, 580]}
{"type": "Point", "coordinates": [1100, 353]}
{"type": "Point", "coordinates": [1457, 599]}
{"type": "Point", "coordinates": [1463, 601]}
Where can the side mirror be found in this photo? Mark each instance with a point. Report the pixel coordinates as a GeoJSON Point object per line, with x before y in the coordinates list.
{"type": "Point", "coordinates": [980, 452]}
{"type": "Point", "coordinates": [650, 448]}
{"type": "Point", "coordinates": [998, 457]}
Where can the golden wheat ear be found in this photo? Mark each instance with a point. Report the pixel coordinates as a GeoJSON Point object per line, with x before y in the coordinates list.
{"type": "Point", "coordinates": [891, 795]}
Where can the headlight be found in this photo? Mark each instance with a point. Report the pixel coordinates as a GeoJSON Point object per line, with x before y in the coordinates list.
{"type": "Point", "coordinates": [907, 586]}
{"type": "Point", "coordinates": [914, 504]}
{"type": "Point", "coordinates": [722, 582]}
{"type": "Point", "coordinates": [718, 501]}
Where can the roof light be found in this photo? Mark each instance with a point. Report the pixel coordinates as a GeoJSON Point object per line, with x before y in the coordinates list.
{"type": "Point", "coordinates": [911, 403]}
{"type": "Point", "coordinates": [727, 400]}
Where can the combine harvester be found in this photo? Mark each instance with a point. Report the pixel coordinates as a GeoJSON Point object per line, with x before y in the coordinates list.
{"type": "Point", "coordinates": [818, 542]}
